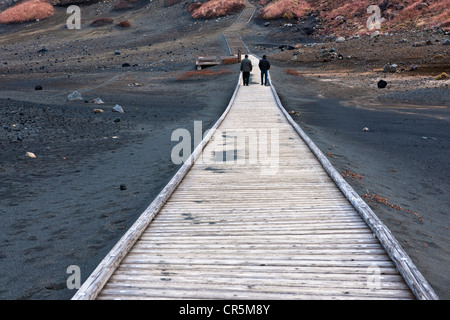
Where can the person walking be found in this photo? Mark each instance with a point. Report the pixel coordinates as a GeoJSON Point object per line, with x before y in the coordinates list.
{"type": "Point", "coordinates": [264, 66]}
{"type": "Point", "coordinates": [246, 68]}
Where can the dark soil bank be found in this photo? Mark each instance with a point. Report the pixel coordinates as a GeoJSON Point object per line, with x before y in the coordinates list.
{"type": "Point", "coordinates": [400, 165]}
{"type": "Point", "coordinates": [66, 206]}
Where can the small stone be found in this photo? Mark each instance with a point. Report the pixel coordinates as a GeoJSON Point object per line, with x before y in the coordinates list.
{"type": "Point", "coordinates": [123, 187]}
{"type": "Point", "coordinates": [30, 155]}
{"type": "Point", "coordinates": [442, 76]}
{"type": "Point", "coordinates": [42, 50]}
{"type": "Point", "coordinates": [38, 88]}
{"type": "Point", "coordinates": [390, 68]}
{"type": "Point", "coordinates": [340, 39]}
{"type": "Point", "coordinates": [98, 110]}
{"type": "Point", "coordinates": [382, 84]}
{"type": "Point", "coordinates": [365, 129]}
{"type": "Point", "coordinates": [75, 96]}
{"type": "Point", "coordinates": [98, 101]}
{"type": "Point", "coordinates": [118, 108]}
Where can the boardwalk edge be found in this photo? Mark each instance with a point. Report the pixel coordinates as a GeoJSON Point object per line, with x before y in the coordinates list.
{"type": "Point", "coordinates": [98, 278]}
{"type": "Point", "coordinates": [413, 277]}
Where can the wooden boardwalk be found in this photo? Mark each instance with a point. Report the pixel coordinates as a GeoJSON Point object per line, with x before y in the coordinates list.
{"type": "Point", "coordinates": [260, 217]}
{"type": "Point", "coordinates": [231, 34]}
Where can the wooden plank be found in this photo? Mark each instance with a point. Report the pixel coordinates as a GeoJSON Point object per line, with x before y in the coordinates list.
{"type": "Point", "coordinates": [225, 230]}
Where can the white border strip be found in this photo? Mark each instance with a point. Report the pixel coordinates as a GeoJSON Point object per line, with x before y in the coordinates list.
{"type": "Point", "coordinates": [98, 278]}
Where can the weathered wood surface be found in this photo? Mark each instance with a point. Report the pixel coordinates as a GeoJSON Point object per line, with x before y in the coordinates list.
{"type": "Point", "coordinates": [249, 228]}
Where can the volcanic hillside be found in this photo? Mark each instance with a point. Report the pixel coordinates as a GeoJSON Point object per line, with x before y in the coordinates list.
{"type": "Point", "coordinates": [347, 17]}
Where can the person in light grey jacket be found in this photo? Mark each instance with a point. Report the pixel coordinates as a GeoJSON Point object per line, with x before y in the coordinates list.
{"type": "Point", "coordinates": [246, 68]}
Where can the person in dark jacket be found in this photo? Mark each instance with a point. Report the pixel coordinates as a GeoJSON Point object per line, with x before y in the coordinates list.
{"type": "Point", "coordinates": [246, 68]}
{"type": "Point", "coordinates": [264, 66]}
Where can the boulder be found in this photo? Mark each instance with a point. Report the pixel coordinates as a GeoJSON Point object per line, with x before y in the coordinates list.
{"type": "Point", "coordinates": [382, 84]}
{"type": "Point", "coordinates": [98, 101]}
{"type": "Point", "coordinates": [118, 108]}
{"type": "Point", "coordinates": [74, 96]}
{"type": "Point", "coordinates": [31, 155]}
{"type": "Point", "coordinates": [375, 34]}
{"type": "Point", "coordinates": [442, 76]}
{"type": "Point", "coordinates": [392, 68]}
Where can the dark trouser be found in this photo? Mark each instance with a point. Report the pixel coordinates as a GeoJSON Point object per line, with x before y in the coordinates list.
{"type": "Point", "coordinates": [264, 77]}
{"type": "Point", "coordinates": [245, 77]}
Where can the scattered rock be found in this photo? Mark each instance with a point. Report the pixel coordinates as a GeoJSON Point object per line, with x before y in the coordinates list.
{"type": "Point", "coordinates": [98, 101]}
{"type": "Point", "coordinates": [438, 56]}
{"type": "Point", "coordinates": [442, 76]}
{"type": "Point", "coordinates": [340, 39]}
{"type": "Point", "coordinates": [30, 155]}
{"type": "Point", "coordinates": [38, 88]}
{"type": "Point", "coordinates": [296, 113]}
{"type": "Point", "coordinates": [413, 67]}
{"type": "Point", "coordinates": [392, 68]}
{"type": "Point", "coordinates": [375, 34]}
{"type": "Point", "coordinates": [117, 120]}
{"type": "Point", "coordinates": [123, 187]}
{"type": "Point", "coordinates": [446, 42]}
{"type": "Point", "coordinates": [382, 84]}
{"type": "Point", "coordinates": [422, 5]}
{"type": "Point", "coordinates": [118, 108]}
{"type": "Point", "coordinates": [117, 52]}
{"type": "Point", "coordinates": [42, 50]}
{"type": "Point", "coordinates": [125, 65]}
{"type": "Point", "coordinates": [365, 129]}
{"type": "Point", "coordinates": [74, 96]}
{"type": "Point", "coordinates": [98, 110]}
